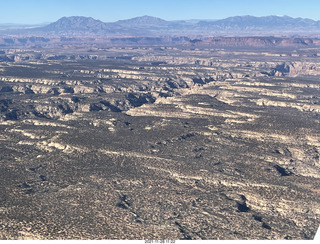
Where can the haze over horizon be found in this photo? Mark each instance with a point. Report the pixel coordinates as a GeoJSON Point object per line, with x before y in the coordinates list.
{"type": "Point", "coordinates": [38, 12]}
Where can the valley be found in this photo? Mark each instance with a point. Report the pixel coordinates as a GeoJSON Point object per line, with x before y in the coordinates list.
{"type": "Point", "coordinates": [183, 141]}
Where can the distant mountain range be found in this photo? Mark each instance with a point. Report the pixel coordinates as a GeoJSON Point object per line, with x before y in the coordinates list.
{"type": "Point", "coordinates": [152, 26]}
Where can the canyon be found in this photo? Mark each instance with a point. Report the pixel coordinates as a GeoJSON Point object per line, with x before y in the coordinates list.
{"type": "Point", "coordinates": [147, 129]}
{"type": "Point", "coordinates": [186, 141]}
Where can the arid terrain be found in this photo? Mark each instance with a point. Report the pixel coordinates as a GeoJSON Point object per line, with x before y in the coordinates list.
{"type": "Point", "coordinates": [159, 142]}
{"type": "Point", "coordinates": [153, 129]}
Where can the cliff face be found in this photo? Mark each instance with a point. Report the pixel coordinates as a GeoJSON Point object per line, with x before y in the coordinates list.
{"type": "Point", "coordinates": [261, 42]}
{"type": "Point", "coordinates": [134, 86]}
{"type": "Point", "coordinates": [173, 142]}
{"type": "Point", "coordinates": [267, 42]}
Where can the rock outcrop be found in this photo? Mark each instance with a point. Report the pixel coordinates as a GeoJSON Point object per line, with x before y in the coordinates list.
{"type": "Point", "coordinates": [160, 143]}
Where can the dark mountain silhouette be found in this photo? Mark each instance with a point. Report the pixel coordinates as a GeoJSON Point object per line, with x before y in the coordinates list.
{"type": "Point", "coordinates": [144, 21]}
{"type": "Point", "coordinates": [76, 23]}
{"type": "Point", "coordinates": [152, 26]}
{"type": "Point", "coordinates": [267, 21]}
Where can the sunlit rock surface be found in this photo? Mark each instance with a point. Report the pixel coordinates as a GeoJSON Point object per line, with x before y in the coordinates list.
{"type": "Point", "coordinates": [160, 143]}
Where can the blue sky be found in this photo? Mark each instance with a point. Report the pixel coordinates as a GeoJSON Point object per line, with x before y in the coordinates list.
{"type": "Point", "coordinates": [40, 11]}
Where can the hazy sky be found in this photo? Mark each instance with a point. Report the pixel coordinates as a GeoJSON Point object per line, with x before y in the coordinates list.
{"type": "Point", "coordinates": [40, 11]}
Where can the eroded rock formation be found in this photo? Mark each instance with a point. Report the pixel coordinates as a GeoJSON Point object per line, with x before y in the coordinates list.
{"type": "Point", "coordinates": [170, 143]}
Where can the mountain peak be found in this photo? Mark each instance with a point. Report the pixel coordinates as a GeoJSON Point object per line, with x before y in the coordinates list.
{"type": "Point", "coordinates": [272, 22]}
{"type": "Point", "coordinates": [75, 22]}
{"type": "Point", "coordinates": [143, 20]}
{"type": "Point", "coordinates": [149, 25]}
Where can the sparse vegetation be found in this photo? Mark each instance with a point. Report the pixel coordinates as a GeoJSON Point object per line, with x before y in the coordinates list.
{"type": "Point", "coordinates": [156, 142]}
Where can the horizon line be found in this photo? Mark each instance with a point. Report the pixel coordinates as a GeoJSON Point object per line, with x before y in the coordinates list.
{"type": "Point", "coordinates": [193, 19]}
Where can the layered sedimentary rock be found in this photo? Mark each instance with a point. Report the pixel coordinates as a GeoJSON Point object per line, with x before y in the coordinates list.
{"type": "Point", "coordinates": [161, 143]}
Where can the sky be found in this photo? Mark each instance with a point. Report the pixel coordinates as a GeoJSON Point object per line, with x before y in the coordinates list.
{"type": "Point", "coordinates": [45, 11]}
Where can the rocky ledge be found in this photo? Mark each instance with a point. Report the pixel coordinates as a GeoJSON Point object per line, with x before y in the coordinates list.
{"type": "Point", "coordinates": [161, 143]}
